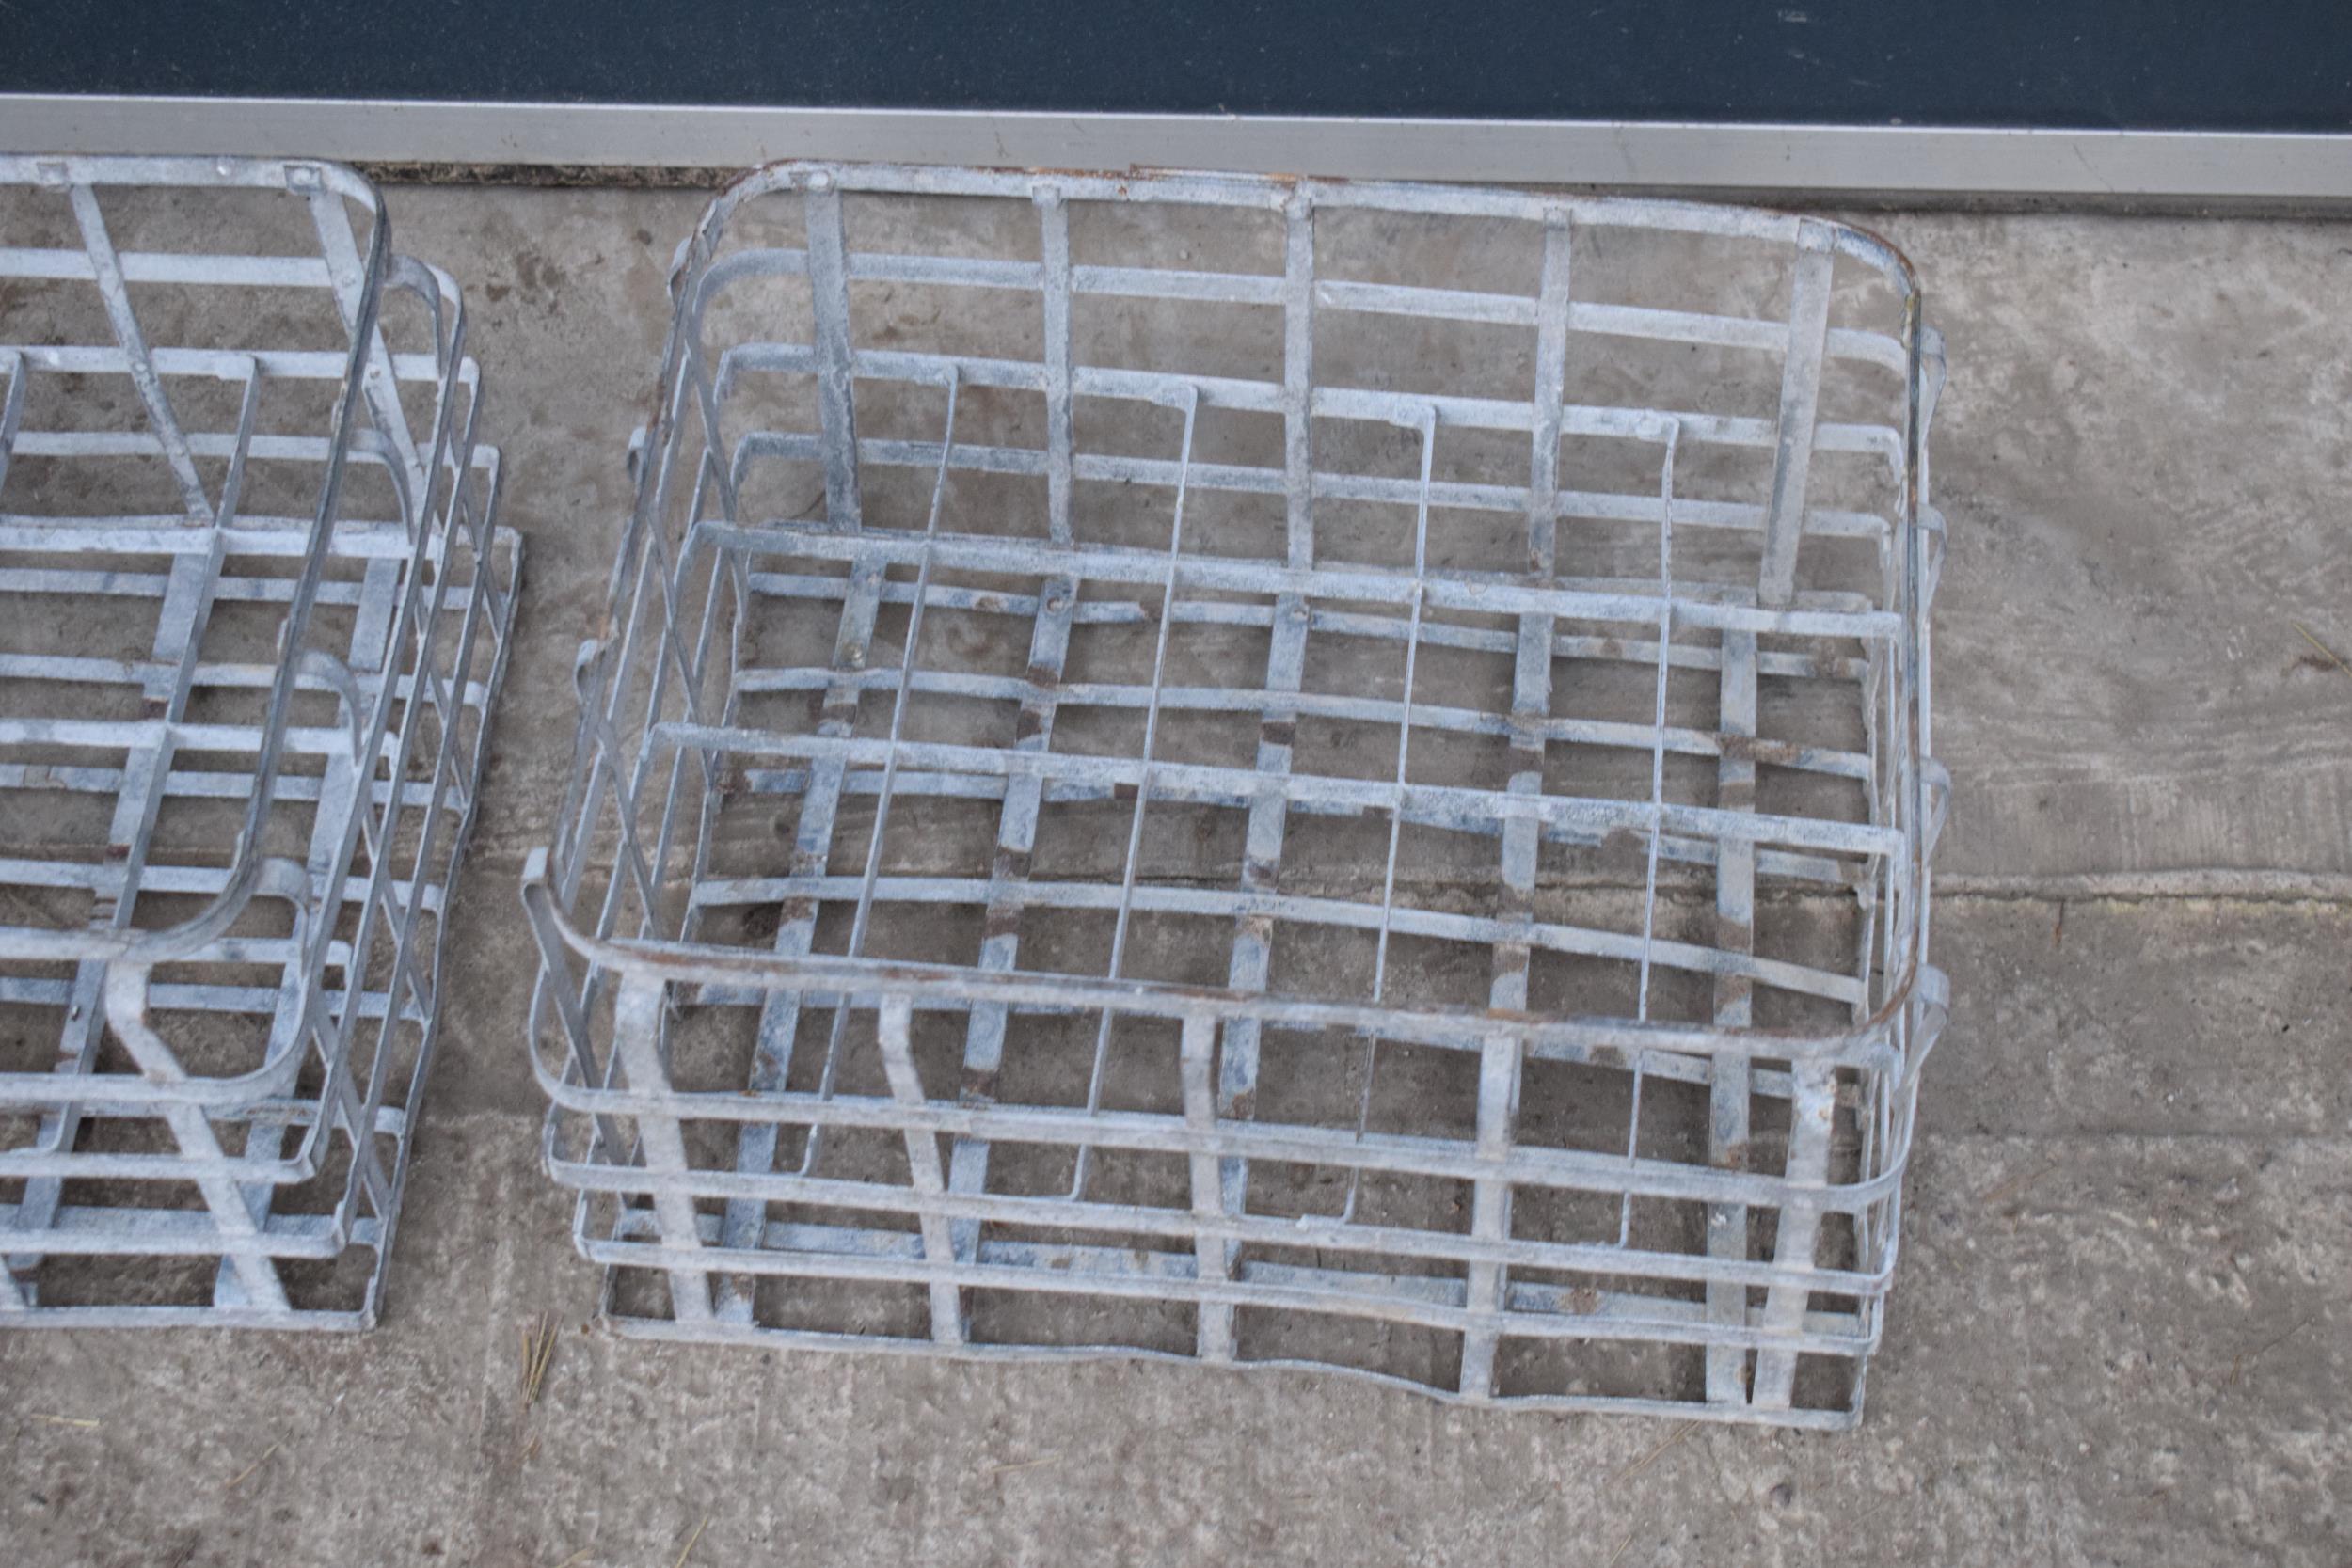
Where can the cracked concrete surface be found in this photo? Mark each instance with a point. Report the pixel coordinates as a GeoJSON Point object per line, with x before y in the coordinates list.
{"type": "Point", "coordinates": [2120, 1333]}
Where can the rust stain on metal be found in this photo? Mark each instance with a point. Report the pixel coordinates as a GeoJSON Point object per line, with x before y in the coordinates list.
{"type": "Point", "coordinates": [1749, 747]}
{"type": "Point", "coordinates": [1621, 840]}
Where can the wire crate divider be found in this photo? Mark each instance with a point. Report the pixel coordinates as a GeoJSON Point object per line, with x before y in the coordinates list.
{"type": "Point", "coordinates": [1308, 860]}
{"type": "Point", "coordinates": [253, 613]}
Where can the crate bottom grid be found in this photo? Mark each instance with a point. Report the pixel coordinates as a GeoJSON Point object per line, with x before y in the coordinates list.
{"type": "Point", "coordinates": [1063, 1176]}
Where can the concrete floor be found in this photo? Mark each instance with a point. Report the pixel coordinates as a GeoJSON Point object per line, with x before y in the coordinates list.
{"type": "Point", "coordinates": [2121, 1333]}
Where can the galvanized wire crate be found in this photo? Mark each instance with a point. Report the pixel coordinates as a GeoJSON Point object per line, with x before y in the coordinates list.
{"type": "Point", "coordinates": [252, 614]}
{"type": "Point", "coordinates": [1266, 772]}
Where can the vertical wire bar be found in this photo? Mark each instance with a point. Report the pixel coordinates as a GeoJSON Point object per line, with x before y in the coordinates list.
{"type": "Point", "coordinates": [836, 401]}
{"type": "Point", "coordinates": [1486, 1289]}
{"type": "Point", "coordinates": [1551, 374]}
{"type": "Point", "coordinates": [441, 493]}
{"type": "Point", "coordinates": [1657, 720]}
{"type": "Point", "coordinates": [779, 1011]}
{"type": "Point", "coordinates": [13, 1292]}
{"type": "Point", "coordinates": [249, 413]}
{"type": "Point", "coordinates": [743, 1225]}
{"type": "Point", "coordinates": [1531, 704]}
{"type": "Point", "coordinates": [1404, 720]}
{"type": "Point", "coordinates": [11, 406]}
{"type": "Point", "coordinates": [407, 974]}
{"type": "Point", "coordinates": [348, 276]}
{"type": "Point", "coordinates": [637, 1029]}
{"type": "Point", "coordinates": [906, 677]}
{"type": "Point", "coordinates": [346, 786]}
{"type": "Point", "coordinates": [895, 1027]}
{"type": "Point", "coordinates": [1008, 870]}
{"type": "Point", "coordinates": [1632, 1147]}
{"type": "Point", "coordinates": [1813, 1101]}
{"type": "Point", "coordinates": [1299, 375]}
{"type": "Point", "coordinates": [1269, 808]}
{"type": "Point", "coordinates": [1800, 394]}
{"type": "Point", "coordinates": [343, 789]}
{"type": "Point", "coordinates": [621, 777]}
{"type": "Point", "coordinates": [715, 466]}
{"type": "Point", "coordinates": [1143, 788]}
{"type": "Point", "coordinates": [1813, 1087]}
{"type": "Point", "coordinates": [1396, 801]}
{"type": "Point", "coordinates": [820, 804]}
{"type": "Point", "coordinates": [740, 598]}
{"type": "Point", "coordinates": [361, 314]}
{"type": "Point", "coordinates": [1657, 795]}
{"type": "Point", "coordinates": [115, 292]}
{"type": "Point", "coordinates": [54, 1133]}
{"type": "Point", "coordinates": [1209, 1264]}
{"type": "Point", "coordinates": [1730, 1090]}
{"type": "Point", "coordinates": [597, 768]}
{"type": "Point", "coordinates": [626, 769]}
{"type": "Point", "coordinates": [1880, 900]}
{"type": "Point", "coordinates": [572, 1000]}
{"type": "Point", "coordinates": [1054, 224]}
{"type": "Point", "coordinates": [890, 768]}
{"type": "Point", "coordinates": [669, 657]}
{"type": "Point", "coordinates": [1049, 645]}
{"type": "Point", "coordinates": [728, 585]}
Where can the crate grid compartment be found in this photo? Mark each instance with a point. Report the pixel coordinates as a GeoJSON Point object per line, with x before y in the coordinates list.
{"type": "Point", "coordinates": [253, 609]}
{"type": "Point", "coordinates": [1261, 772]}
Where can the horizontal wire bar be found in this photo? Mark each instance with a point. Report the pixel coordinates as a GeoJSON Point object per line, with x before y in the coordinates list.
{"type": "Point", "coordinates": [1304, 1232]}
{"type": "Point", "coordinates": [1532, 1311]}
{"type": "Point", "coordinates": [1265, 397]}
{"type": "Point", "coordinates": [1294, 909]}
{"type": "Point", "coordinates": [1719, 610]}
{"type": "Point", "coordinates": [282, 539]}
{"type": "Point", "coordinates": [229, 364]}
{"type": "Point", "coordinates": [1242, 288]}
{"type": "Point", "coordinates": [87, 1230]}
{"type": "Point", "coordinates": [1522, 1164]}
{"type": "Point", "coordinates": [1628, 649]}
{"type": "Point", "coordinates": [1439, 804]}
{"type": "Point", "coordinates": [1374, 710]}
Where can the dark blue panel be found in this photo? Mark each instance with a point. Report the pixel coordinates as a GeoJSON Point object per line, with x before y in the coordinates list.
{"type": "Point", "coordinates": [2140, 64]}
